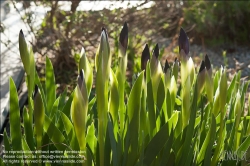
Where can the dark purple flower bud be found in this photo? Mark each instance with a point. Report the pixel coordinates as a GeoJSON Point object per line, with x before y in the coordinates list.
{"type": "Point", "coordinates": [154, 60]}
{"type": "Point", "coordinates": [80, 78]}
{"type": "Point", "coordinates": [202, 67]}
{"type": "Point", "coordinates": [35, 92]}
{"type": "Point", "coordinates": [21, 32]}
{"type": "Point", "coordinates": [208, 65]}
{"type": "Point", "coordinates": [207, 62]}
{"type": "Point", "coordinates": [156, 51]}
{"type": "Point", "coordinates": [82, 84]}
{"type": "Point", "coordinates": [201, 78]}
{"type": "Point", "coordinates": [166, 67]}
{"type": "Point", "coordinates": [81, 74]}
{"type": "Point", "coordinates": [176, 69]}
{"type": "Point", "coordinates": [124, 37]}
{"type": "Point", "coordinates": [145, 57]}
{"type": "Point", "coordinates": [183, 42]}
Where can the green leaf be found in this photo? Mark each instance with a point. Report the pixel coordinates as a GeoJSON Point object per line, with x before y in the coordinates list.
{"type": "Point", "coordinates": [134, 102]}
{"type": "Point", "coordinates": [1, 162]}
{"type": "Point", "coordinates": [167, 149]}
{"type": "Point", "coordinates": [143, 113]}
{"type": "Point", "coordinates": [243, 147]}
{"type": "Point", "coordinates": [91, 139]}
{"type": "Point", "coordinates": [39, 114]}
{"type": "Point", "coordinates": [107, 149]}
{"type": "Point", "coordinates": [172, 122]}
{"type": "Point", "coordinates": [15, 124]}
{"type": "Point", "coordinates": [62, 101]}
{"type": "Point", "coordinates": [54, 108]}
{"type": "Point", "coordinates": [168, 106]}
{"type": "Point", "coordinates": [190, 128]}
{"type": "Point", "coordinates": [243, 93]}
{"type": "Point", "coordinates": [92, 102]}
{"type": "Point", "coordinates": [97, 57]}
{"type": "Point", "coordinates": [103, 64]}
{"type": "Point", "coordinates": [231, 89]}
{"type": "Point", "coordinates": [197, 121]}
{"type": "Point", "coordinates": [148, 72]}
{"type": "Point", "coordinates": [26, 148]}
{"type": "Point", "coordinates": [191, 158]}
{"type": "Point", "coordinates": [50, 85]}
{"type": "Point", "coordinates": [28, 129]}
{"type": "Point", "coordinates": [112, 142]}
{"type": "Point", "coordinates": [6, 141]}
{"type": "Point", "coordinates": [69, 128]}
{"type": "Point", "coordinates": [46, 143]}
{"type": "Point", "coordinates": [216, 80]}
{"type": "Point", "coordinates": [186, 103]}
{"type": "Point", "coordinates": [177, 101]}
{"type": "Point", "coordinates": [151, 109]}
{"type": "Point", "coordinates": [160, 94]}
{"type": "Point", "coordinates": [66, 108]}
{"type": "Point", "coordinates": [220, 143]}
{"type": "Point", "coordinates": [173, 91]}
{"type": "Point", "coordinates": [90, 156]}
{"type": "Point", "coordinates": [79, 109]}
{"type": "Point", "coordinates": [114, 97]}
{"type": "Point", "coordinates": [156, 144]}
{"type": "Point", "coordinates": [134, 107]}
{"type": "Point", "coordinates": [54, 134]}
{"type": "Point", "coordinates": [38, 83]}
{"type": "Point", "coordinates": [238, 112]}
{"type": "Point", "coordinates": [209, 142]}
{"type": "Point", "coordinates": [207, 146]}
{"type": "Point", "coordinates": [178, 128]}
{"type": "Point", "coordinates": [31, 76]}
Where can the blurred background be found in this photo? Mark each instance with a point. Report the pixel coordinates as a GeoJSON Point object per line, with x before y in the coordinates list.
{"type": "Point", "coordinates": [59, 29]}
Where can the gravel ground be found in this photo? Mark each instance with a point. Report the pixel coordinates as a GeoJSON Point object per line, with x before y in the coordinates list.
{"type": "Point", "coordinates": [238, 59]}
{"type": "Point", "coordinates": [235, 59]}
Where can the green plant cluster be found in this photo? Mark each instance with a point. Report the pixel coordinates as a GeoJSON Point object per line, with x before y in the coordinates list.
{"type": "Point", "coordinates": [158, 122]}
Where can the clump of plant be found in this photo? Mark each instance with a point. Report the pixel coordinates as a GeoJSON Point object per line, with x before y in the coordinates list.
{"type": "Point", "coordinates": [156, 122]}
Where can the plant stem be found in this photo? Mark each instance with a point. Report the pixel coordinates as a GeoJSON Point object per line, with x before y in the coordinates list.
{"type": "Point", "coordinates": [102, 101]}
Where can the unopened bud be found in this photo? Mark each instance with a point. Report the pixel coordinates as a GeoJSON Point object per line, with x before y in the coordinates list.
{"type": "Point", "coordinates": [201, 77]}
{"type": "Point", "coordinates": [166, 67]}
{"type": "Point", "coordinates": [88, 71]}
{"type": "Point", "coordinates": [167, 74]}
{"type": "Point", "coordinates": [39, 115]}
{"type": "Point", "coordinates": [24, 52]}
{"type": "Point", "coordinates": [176, 69]}
{"type": "Point", "coordinates": [145, 57]}
{"type": "Point", "coordinates": [154, 60]}
{"type": "Point", "coordinates": [124, 38]}
{"type": "Point", "coordinates": [82, 86]}
{"type": "Point", "coordinates": [208, 65]}
{"type": "Point", "coordinates": [183, 42]}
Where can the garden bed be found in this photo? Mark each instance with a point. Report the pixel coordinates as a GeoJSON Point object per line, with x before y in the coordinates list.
{"type": "Point", "coordinates": [180, 113]}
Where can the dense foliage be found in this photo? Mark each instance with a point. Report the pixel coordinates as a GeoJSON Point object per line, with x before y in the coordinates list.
{"type": "Point", "coordinates": [176, 115]}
